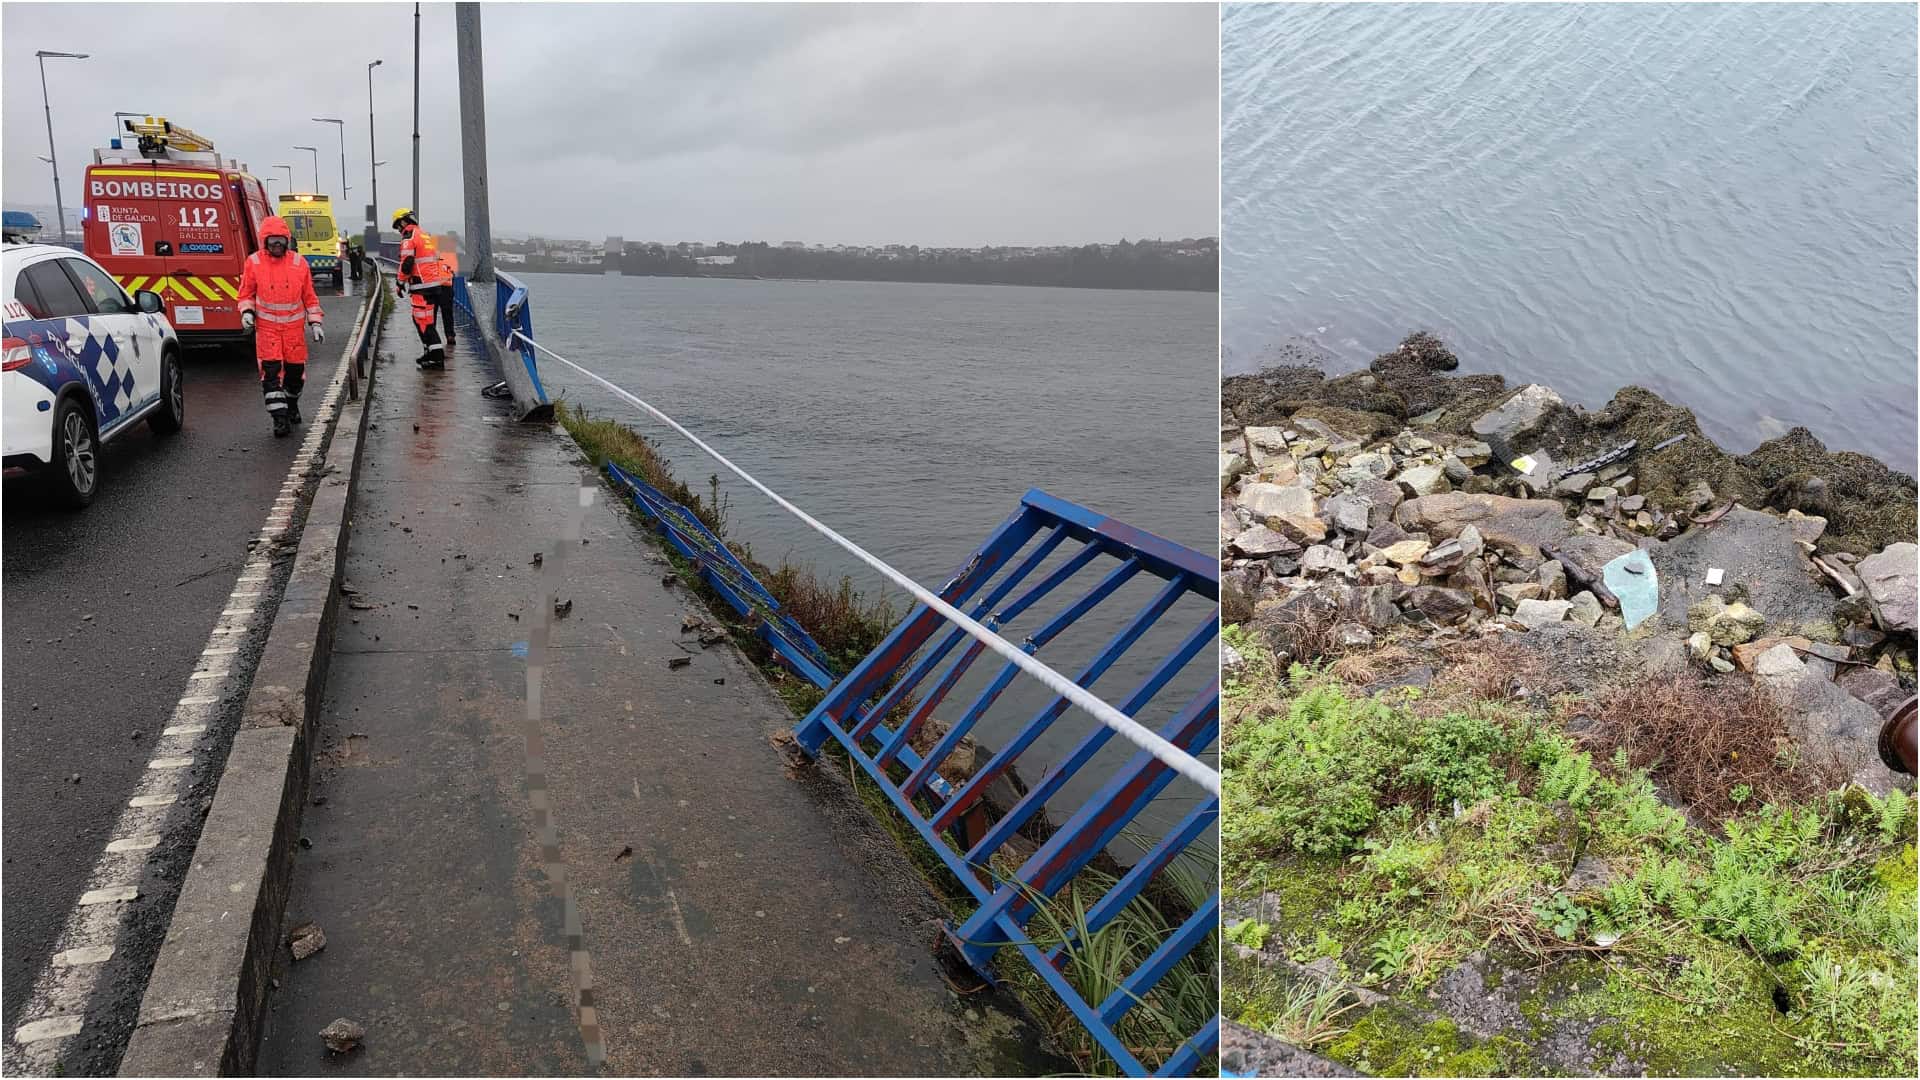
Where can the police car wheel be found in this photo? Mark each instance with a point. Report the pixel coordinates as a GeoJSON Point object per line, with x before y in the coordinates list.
{"type": "Point", "coordinates": [172, 413]}
{"type": "Point", "coordinates": [75, 473]}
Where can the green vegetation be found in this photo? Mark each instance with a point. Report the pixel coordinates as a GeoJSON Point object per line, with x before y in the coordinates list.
{"type": "Point", "coordinates": [1403, 835]}
{"type": "Point", "coordinates": [847, 626]}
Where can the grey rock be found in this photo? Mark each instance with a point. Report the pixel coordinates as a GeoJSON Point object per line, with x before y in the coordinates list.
{"type": "Point", "coordinates": [1471, 542]}
{"type": "Point", "coordinates": [1352, 636]}
{"type": "Point", "coordinates": [1383, 496]}
{"type": "Point", "coordinates": [1372, 463]}
{"type": "Point", "coordinates": [1807, 528]}
{"type": "Point", "coordinates": [1456, 470]}
{"type": "Point", "coordinates": [1261, 541]}
{"type": "Point", "coordinates": [1521, 414]}
{"type": "Point", "coordinates": [1422, 480]}
{"type": "Point", "coordinates": [1892, 579]}
{"type": "Point", "coordinates": [1443, 559]}
{"type": "Point", "coordinates": [1758, 553]}
{"type": "Point", "coordinates": [1231, 662]}
{"type": "Point", "coordinates": [1587, 556]}
{"type": "Point", "coordinates": [1371, 606]}
{"type": "Point", "coordinates": [1585, 608]}
{"type": "Point", "coordinates": [1270, 439]}
{"type": "Point", "coordinates": [1697, 496]}
{"type": "Point", "coordinates": [1634, 504]}
{"type": "Point", "coordinates": [1552, 577]}
{"type": "Point", "coordinates": [1293, 508]}
{"type": "Point", "coordinates": [1473, 454]}
{"type": "Point", "coordinates": [1601, 494]}
{"type": "Point", "coordinates": [1779, 661]}
{"type": "Point", "coordinates": [1700, 646]}
{"type": "Point", "coordinates": [1590, 874]}
{"type": "Point", "coordinates": [1879, 689]}
{"type": "Point", "coordinates": [1385, 535]}
{"type": "Point", "coordinates": [1321, 559]}
{"type": "Point", "coordinates": [342, 1035]}
{"type": "Point", "coordinates": [1534, 614]}
{"type": "Point", "coordinates": [1574, 486]}
{"type": "Point", "coordinates": [1662, 655]}
{"type": "Point", "coordinates": [1349, 513]}
{"type": "Point", "coordinates": [1627, 485]}
{"type": "Point", "coordinates": [1720, 664]}
{"type": "Point", "coordinates": [1443, 606]}
{"type": "Point", "coordinates": [1516, 525]}
{"type": "Point", "coordinates": [1511, 595]}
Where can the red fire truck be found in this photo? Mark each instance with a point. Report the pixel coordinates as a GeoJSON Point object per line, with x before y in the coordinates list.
{"type": "Point", "coordinates": [171, 216]}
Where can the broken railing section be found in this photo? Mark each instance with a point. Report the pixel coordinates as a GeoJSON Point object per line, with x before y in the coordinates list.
{"type": "Point", "coordinates": [729, 577]}
{"type": "Point", "coordinates": [880, 711]}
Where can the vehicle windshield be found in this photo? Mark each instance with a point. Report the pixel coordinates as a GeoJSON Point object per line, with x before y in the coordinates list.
{"type": "Point", "coordinates": [311, 228]}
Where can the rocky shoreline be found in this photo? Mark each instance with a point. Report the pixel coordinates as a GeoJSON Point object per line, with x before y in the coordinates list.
{"type": "Point", "coordinates": [1404, 501]}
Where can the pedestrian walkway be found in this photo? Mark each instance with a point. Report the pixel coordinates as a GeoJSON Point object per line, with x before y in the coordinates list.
{"type": "Point", "coordinates": [739, 920]}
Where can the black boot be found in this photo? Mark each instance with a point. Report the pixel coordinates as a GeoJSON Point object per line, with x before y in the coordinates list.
{"type": "Point", "coordinates": [280, 425]}
{"type": "Point", "coordinates": [293, 410]}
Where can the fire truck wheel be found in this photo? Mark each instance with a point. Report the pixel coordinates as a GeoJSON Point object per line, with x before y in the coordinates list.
{"type": "Point", "coordinates": [172, 413]}
{"type": "Point", "coordinates": [74, 474]}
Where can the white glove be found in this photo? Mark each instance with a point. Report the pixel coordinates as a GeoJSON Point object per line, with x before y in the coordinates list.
{"type": "Point", "coordinates": [319, 335]}
{"type": "Point", "coordinates": [246, 321]}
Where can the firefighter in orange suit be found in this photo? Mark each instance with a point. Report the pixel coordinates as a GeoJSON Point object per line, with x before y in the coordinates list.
{"type": "Point", "coordinates": [278, 307]}
{"type": "Point", "coordinates": [427, 281]}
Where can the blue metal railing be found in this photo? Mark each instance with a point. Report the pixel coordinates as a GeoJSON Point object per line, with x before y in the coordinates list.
{"type": "Point", "coordinates": [513, 313]}
{"type": "Point", "coordinates": [954, 819]}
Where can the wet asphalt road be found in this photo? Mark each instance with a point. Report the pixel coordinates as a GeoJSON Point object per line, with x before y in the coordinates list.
{"type": "Point", "coordinates": [106, 611]}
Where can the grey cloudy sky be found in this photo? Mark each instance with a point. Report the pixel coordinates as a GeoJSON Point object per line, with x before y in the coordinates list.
{"type": "Point", "coordinates": [936, 125]}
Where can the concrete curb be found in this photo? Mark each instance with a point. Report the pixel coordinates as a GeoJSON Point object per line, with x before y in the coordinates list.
{"type": "Point", "coordinates": [205, 1000]}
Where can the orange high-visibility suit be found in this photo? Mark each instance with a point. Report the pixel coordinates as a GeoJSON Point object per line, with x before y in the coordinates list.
{"type": "Point", "coordinates": [278, 292]}
{"type": "Point", "coordinates": [428, 283]}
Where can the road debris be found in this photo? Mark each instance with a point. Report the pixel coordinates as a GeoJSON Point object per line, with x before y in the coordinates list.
{"type": "Point", "coordinates": [673, 663]}
{"type": "Point", "coordinates": [625, 853]}
{"type": "Point", "coordinates": [305, 940]}
{"type": "Point", "coordinates": [342, 1035]}
{"type": "Point", "coordinates": [562, 608]}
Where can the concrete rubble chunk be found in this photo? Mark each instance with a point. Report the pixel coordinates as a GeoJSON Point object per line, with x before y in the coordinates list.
{"type": "Point", "coordinates": [1261, 541]}
{"type": "Point", "coordinates": [1521, 414]}
{"type": "Point", "coordinates": [1779, 662]}
{"type": "Point", "coordinates": [1271, 439]}
{"type": "Point", "coordinates": [1537, 613]}
{"type": "Point", "coordinates": [342, 1035]}
{"type": "Point", "coordinates": [1892, 578]}
{"type": "Point", "coordinates": [1747, 654]}
{"type": "Point", "coordinates": [305, 940]}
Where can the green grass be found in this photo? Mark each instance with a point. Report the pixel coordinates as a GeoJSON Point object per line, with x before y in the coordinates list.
{"type": "Point", "coordinates": [848, 625]}
{"type": "Point", "coordinates": [1408, 838]}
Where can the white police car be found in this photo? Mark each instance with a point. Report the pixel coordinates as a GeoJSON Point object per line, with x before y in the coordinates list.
{"type": "Point", "coordinates": [84, 363]}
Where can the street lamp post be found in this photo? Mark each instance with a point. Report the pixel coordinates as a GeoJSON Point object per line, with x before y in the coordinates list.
{"type": "Point", "coordinates": [59, 207]}
{"type": "Point", "coordinates": [342, 126]}
{"type": "Point", "coordinates": [372, 151]}
{"type": "Point", "coordinates": [316, 165]}
{"type": "Point", "coordinates": [289, 169]}
{"type": "Point", "coordinates": [119, 116]}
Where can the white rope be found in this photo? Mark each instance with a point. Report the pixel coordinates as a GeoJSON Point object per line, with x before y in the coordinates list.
{"type": "Point", "coordinates": [1175, 758]}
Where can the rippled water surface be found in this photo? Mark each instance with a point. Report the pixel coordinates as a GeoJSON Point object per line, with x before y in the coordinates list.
{"type": "Point", "coordinates": [1717, 202]}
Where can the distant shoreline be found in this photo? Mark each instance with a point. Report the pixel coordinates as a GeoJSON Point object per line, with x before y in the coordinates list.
{"type": "Point", "coordinates": [582, 271]}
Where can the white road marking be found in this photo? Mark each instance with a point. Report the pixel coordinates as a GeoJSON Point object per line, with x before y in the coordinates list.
{"type": "Point", "coordinates": [153, 800]}
{"type": "Point", "coordinates": [135, 843]}
{"type": "Point", "coordinates": [170, 763]}
{"type": "Point", "coordinates": [184, 729]}
{"type": "Point", "coordinates": [58, 1027]}
{"type": "Point", "coordinates": [221, 674]}
{"type": "Point", "coordinates": [201, 700]}
{"type": "Point", "coordinates": [113, 894]}
{"type": "Point", "coordinates": [92, 954]}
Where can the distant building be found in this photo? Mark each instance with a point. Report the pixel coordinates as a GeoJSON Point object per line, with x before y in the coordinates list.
{"type": "Point", "coordinates": [615, 247]}
{"type": "Point", "coordinates": [794, 245]}
{"type": "Point", "coordinates": [714, 260]}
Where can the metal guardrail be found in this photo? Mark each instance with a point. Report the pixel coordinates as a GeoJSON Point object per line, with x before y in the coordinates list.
{"type": "Point", "coordinates": [513, 314]}
{"type": "Point", "coordinates": [366, 331]}
{"type": "Point", "coordinates": [869, 714]}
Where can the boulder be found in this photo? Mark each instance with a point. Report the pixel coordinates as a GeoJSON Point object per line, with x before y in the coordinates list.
{"type": "Point", "coordinates": [1371, 463]}
{"type": "Point", "coordinates": [1521, 414]}
{"type": "Point", "coordinates": [1892, 578]}
{"type": "Point", "coordinates": [1585, 608]}
{"type": "Point", "coordinates": [1293, 508]}
{"type": "Point", "coordinates": [1534, 614]}
{"type": "Point", "coordinates": [1382, 497]}
{"type": "Point", "coordinates": [1758, 553]}
{"type": "Point", "coordinates": [1370, 606]}
{"type": "Point", "coordinates": [1444, 606]}
{"type": "Point", "coordinates": [1422, 480]}
{"type": "Point", "coordinates": [1385, 535]}
{"type": "Point", "coordinates": [1456, 470]}
{"type": "Point", "coordinates": [1261, 542]}
{"type": "Point", "coordinates": [1279, 470]}
{"type": "Point", "coordinates": [1635, 504]}
{"type": "Point", "coordinates": [1727, 624]}
{"type": "Point", "coordinates": [1880, 690]}
{"type": "Point", "coordinates": [1505, 524]}
{"type": "Point", "coordinates": [1696, 497]}
{"type": "Point", "coordinates": [1352, 636]}
{"type": "Point", "coordinates": [1586, 556]}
